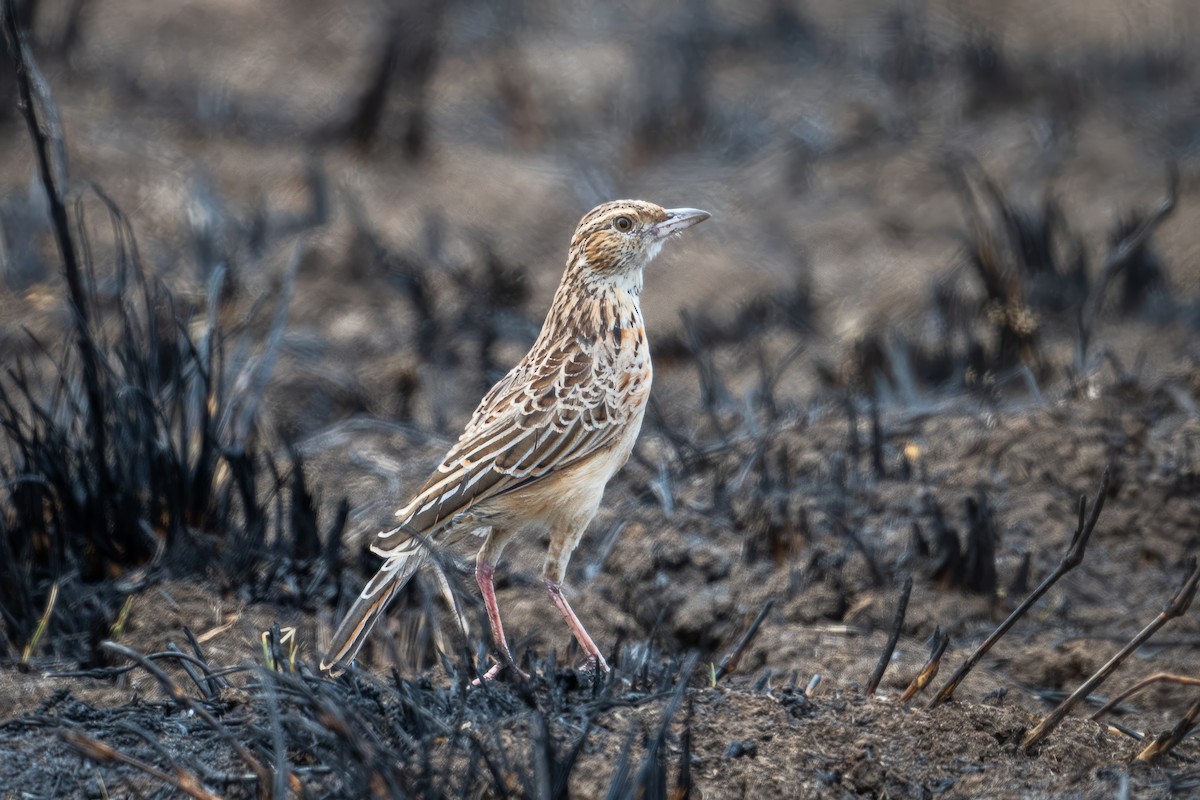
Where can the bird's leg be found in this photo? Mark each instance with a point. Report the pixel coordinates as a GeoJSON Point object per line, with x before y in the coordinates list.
{"type": "Point", "coordinates": [554, 589]}
{"type": "Point", "coordinates": [485, 570]}
{"type": "Point", "coordinates": [562, 543]}
{"type": "Point", "coordinates": [483, 576]}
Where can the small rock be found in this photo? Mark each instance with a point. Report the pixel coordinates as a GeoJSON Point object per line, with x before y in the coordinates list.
{"type": "Point", "coordinates": [798, 705]}
{"type": "Point", "coordinates": [738, 749]}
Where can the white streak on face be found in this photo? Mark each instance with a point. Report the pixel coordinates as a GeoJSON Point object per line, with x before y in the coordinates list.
{"type": "Point", "coordinates": [654, 249]}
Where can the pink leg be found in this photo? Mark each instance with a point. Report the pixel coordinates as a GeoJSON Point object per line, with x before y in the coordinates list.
{"type": "Point", "coordinates": [554, 589]}
{"type": "Point", "coordinates": [484, 571]}
{"type": "Point", "coordinates": [491, 674]}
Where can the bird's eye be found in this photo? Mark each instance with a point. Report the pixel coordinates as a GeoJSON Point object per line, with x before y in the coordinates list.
{"type": "Point", "coordinates": [623, 224]}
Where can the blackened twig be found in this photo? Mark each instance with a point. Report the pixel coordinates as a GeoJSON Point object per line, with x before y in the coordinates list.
{"type": "Point", "coordinates": [1074, 556]}
{"type": "Point", "coordinates": [1118, 258]}
{"type": "Point", "coordinates": [282, 776]}
{"type": "Point", "coordinates": [1166, 741]}
{"type": "Point", "coordinates": [184, 700]}
{"type": "Point", "coordinates": [41, 133]}
{"type": "Point", "coordinates": [730, 661]}
{"type": "Point", "coordinates": [885, 658]}
{"type": "Point", "coordinates": [408, 58]}
{"type": "Point", "coordinates": [96, 750]}
{"type": "Point", "coordinates": [873, 566]}
{"type": "Point", "coordinates": [928, 672]}
{"type": "Point", "coordinates": [205, 772]}
{"type": "Point", "coordinates": [877, 442]}
{"type": "Point", "coordinates": [1158, 677]}
{"type": "Point", "coordinates": [192, 672]}
{"type": "Point", "coordinates": [683, 783]}
{"type": "Point", "coordinates": [853, 446]}
{"type": "Point", "coordinates": [1176, 606]}
{"type": "Point", "coordinates": [251, 384]}
{"type": "Point", "coordinates": [657, 744]}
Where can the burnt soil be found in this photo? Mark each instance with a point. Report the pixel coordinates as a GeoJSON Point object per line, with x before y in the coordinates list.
{"type": "Point", "coordinates": [842, 400]}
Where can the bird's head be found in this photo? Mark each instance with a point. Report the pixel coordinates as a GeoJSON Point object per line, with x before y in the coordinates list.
{"type": "Point", "coordinates": [616, 240]}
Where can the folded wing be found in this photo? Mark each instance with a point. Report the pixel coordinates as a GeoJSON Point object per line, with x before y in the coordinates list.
{"type": "Point", "coordinates": [552, 410]}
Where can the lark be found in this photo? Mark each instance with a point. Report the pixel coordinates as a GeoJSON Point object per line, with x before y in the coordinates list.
{"type": "Point", "coordinates": [546, 439]}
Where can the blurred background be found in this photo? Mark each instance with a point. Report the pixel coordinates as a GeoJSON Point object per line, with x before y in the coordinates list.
{"type": "Point", "coordinates": [468, 138]}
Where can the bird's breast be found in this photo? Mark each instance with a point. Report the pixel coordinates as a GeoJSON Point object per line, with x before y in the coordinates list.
{"type": "Point", "coordinates": [632, 369]}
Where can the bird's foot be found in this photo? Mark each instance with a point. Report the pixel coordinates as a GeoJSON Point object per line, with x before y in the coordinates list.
{"type": "Point", "coordinates": [495, 670]}
{"type": "Point", "coordinates": [593, 664]}
{"type": "Point", "coordinates": [554, 589]}
{"type": "Point", "coordinates": [511, 664]}
{"type": "Point", "coordinates": [490, 675]}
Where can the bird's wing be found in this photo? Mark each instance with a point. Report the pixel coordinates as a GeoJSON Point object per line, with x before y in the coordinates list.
{"type": "Point", "coordinates": [552, 410]}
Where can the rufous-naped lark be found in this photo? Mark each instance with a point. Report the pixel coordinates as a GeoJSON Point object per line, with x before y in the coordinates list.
{"type": "Point", "coordinates": [546, 439]}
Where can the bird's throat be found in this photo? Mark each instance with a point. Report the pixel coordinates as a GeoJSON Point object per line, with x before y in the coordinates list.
{"type": "Point", "coordinates": [592, 311]}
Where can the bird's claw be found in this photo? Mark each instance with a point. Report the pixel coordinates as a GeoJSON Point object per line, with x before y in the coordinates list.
{"type": "Point", "coordinates": [593, 665]}
{"type": "Point", "coordinates": [498, 667]}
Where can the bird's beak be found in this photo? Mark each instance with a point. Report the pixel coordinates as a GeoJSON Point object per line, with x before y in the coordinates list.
{"type": "Point", "coordinates": [678, 219]}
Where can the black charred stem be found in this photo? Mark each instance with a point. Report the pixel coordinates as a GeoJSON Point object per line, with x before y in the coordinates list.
{"type": "Point", "coordinates": [1175, 607]}
{"type": "Point", "coordinates": [877, 462]}
{"type": "Point", "coordinates": [36, 113]}
{"type": "Point", "coordinates": [683, 781]}
{"type": "Point", "coordinates": [979, 563]}
{"type": "Point", "coordinates": [730, 661]}
{"type": "Point", "coordinates": [407, 60]}
{"type": "Point", "coordinates": [873, 566]}
{"type": "Point", "coordinates": [1158, 677]}
{"type": "Point", "coordinates": [1118, 259]}
{"type": "Point", "coordinates": [653, 773]}
{"type": "Point", "coordinates": [186, 702]}
{"type": "Point", "coordinates": [1166, 741]}
{"type": "Point", "coordinates": [1072, 559]}
{"type": "Point", "coordinates": [853, 445]}
{"type": "Point", "coordinates": [214, 683]}
{"type": "Point", "coordinates": [769, 374]}
{"type": "Point", "coordinates": [98, 751]}
{"type": "Point", "coordinates": [206, 774]}
{"type": "Point", "coordinates": [282, 779]}
{"type": "Point", "coordinates": [948, 566]}
{"type": "Point", "coordinates": [1020, 581]}
{"type": "Point", "coordinates": [191, 670]}
{"type": "Point", "coordinates": [40, 131]}
{"type": "Point", "coordinates": [937, 649]}
{"type": "Point", "coordinates": [885, 657]}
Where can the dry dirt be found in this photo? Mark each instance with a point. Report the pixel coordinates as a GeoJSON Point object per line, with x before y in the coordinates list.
{"type": "Point", "coordinates": [822, 158]}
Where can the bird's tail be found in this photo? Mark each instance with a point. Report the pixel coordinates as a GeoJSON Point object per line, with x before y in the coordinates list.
{"type": "Point", "coordinates": [369, 605]}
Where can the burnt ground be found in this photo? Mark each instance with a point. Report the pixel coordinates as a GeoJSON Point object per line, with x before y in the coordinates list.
{"type": "Point", "coordinates": [869, 366]}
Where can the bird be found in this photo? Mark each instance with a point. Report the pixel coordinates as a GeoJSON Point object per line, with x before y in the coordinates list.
{"type": "Point", "coordinates": [545, 440]}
